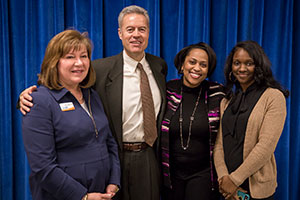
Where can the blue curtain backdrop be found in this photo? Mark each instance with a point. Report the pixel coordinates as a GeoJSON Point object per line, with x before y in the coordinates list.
{"type": "Point", "coordinates": [27, 26]}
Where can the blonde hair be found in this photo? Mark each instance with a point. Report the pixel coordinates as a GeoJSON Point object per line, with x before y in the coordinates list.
{"type": "Point", "coordinates": [59, 46]}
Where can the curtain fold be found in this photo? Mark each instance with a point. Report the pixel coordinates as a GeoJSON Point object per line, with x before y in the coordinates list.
{"type": "Point", "coordinates": [294, 114]}
{"type": "Point", "coordinates": [27, 26]}
{"type": "Point", "coordinates": [6, 152]}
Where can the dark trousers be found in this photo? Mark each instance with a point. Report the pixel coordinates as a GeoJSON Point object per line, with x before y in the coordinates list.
{"type": "Point", "coordinates": [140, 175]}
{"type": "Point", "coordinates": [194, 188]}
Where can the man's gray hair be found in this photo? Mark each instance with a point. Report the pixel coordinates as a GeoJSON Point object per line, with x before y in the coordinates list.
{"type": "Point", "coordinates": [133, 9]}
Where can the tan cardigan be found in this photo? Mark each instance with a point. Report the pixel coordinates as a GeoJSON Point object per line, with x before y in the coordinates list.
{"type": "Point", "coordinates": [264, 127]}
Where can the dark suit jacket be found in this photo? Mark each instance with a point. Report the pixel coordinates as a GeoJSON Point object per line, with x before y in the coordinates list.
{"type": "Point", "coordinates": [109, 85]}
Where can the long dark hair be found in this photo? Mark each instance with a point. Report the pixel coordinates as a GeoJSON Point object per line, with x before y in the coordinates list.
{"type": "Point", "coordinates": [263, 75]}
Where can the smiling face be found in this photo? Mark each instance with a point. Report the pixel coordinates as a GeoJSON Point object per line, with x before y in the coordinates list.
{"type": "Point", "coordinates": [195, 68]}
{"type": "Point", "coordinates": [243, 68]}
{"type": "Point", "coordinates": [73, 67]}
{"type": "Point", "coordinates": [134, 33]}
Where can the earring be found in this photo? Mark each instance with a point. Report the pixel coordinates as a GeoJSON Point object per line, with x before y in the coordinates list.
{"type": "Point", "coordinates": [181, 70]}
{"type": "Point", "coordinates": [230, 77]}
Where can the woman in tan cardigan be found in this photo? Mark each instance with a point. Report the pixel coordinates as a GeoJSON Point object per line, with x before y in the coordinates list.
{"type": "Point", "coordinates": [252, 119]}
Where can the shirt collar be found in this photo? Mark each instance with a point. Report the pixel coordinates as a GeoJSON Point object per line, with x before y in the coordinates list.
{"type": "Point", "coordinates": [59, 94]}
{"type": "Point", "coordinates": [252, 87]}
{"type": "Point", "coordinates": [131, 63]}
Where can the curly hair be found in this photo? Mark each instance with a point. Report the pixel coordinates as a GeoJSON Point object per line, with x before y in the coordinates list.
{"type": "Point", "coordinates": [263, 75]}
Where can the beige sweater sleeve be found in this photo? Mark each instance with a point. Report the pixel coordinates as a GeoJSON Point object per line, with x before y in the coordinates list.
{"type": "Point", "coordinates": [263, 131]}
{"type": "Point", "coordinates": [218, 149]}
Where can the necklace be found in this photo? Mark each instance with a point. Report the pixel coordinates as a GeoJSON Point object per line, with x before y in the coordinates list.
{"type": "Point", "coordinates": [80, 99]}
{"type": "Point", "coordinates": [79, 95]}
{"type": "Point", "coordinates": [91, 115]}
{"type": "Point", "coordinates": [191, 120]}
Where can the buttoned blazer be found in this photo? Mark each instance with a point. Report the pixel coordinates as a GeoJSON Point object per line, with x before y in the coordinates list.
{"type": "Point", "coordinates": [66, 158]}
{"type": "Point", "coordinates": [109, 85]}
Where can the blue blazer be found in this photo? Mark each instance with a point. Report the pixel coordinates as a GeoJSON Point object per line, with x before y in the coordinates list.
{"type": "Point", "coordinates": [66, 158]}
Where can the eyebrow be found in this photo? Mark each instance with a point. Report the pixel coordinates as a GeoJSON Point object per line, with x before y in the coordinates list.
{"type": "Point", "coordinates": [250, 59]}
{"type": "Point", "coordinates": [130, 26]}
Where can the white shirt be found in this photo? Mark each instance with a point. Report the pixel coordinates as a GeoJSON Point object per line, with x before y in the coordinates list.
{"type": "Point", "coordinates": [132, 115]}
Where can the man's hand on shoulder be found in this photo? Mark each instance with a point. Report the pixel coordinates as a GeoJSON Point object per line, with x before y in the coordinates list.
{"type": "Point", "coordinates": [25, 99]}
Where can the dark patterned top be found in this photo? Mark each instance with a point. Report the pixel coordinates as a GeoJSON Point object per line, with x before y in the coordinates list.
{"type": "Point", "coordinates": [214, 93]}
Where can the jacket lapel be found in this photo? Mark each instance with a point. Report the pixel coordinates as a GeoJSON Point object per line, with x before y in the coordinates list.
{"type": "Point", "coordinates": [160, 78]}
{"type": "Point", "coordinates": [114, 91]}
{"type": "Point", "coordinates": [157, 70]}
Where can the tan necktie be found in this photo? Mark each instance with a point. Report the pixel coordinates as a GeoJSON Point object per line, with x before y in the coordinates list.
{"type": "Point", "coordinates": [150, 130]}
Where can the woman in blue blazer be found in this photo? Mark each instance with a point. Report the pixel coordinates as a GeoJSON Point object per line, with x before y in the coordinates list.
{"type": "Point", "coordinates": [71, 151]}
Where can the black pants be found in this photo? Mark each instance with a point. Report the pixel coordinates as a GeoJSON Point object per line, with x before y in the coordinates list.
{"type": "Point", "coordinates": [194, 188]}
{"type": "Point", "coordinates": [140, 175]}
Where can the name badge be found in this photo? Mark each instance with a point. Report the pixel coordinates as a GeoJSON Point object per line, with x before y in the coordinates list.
{"type": "Point", "coordinates": [67, 106]}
